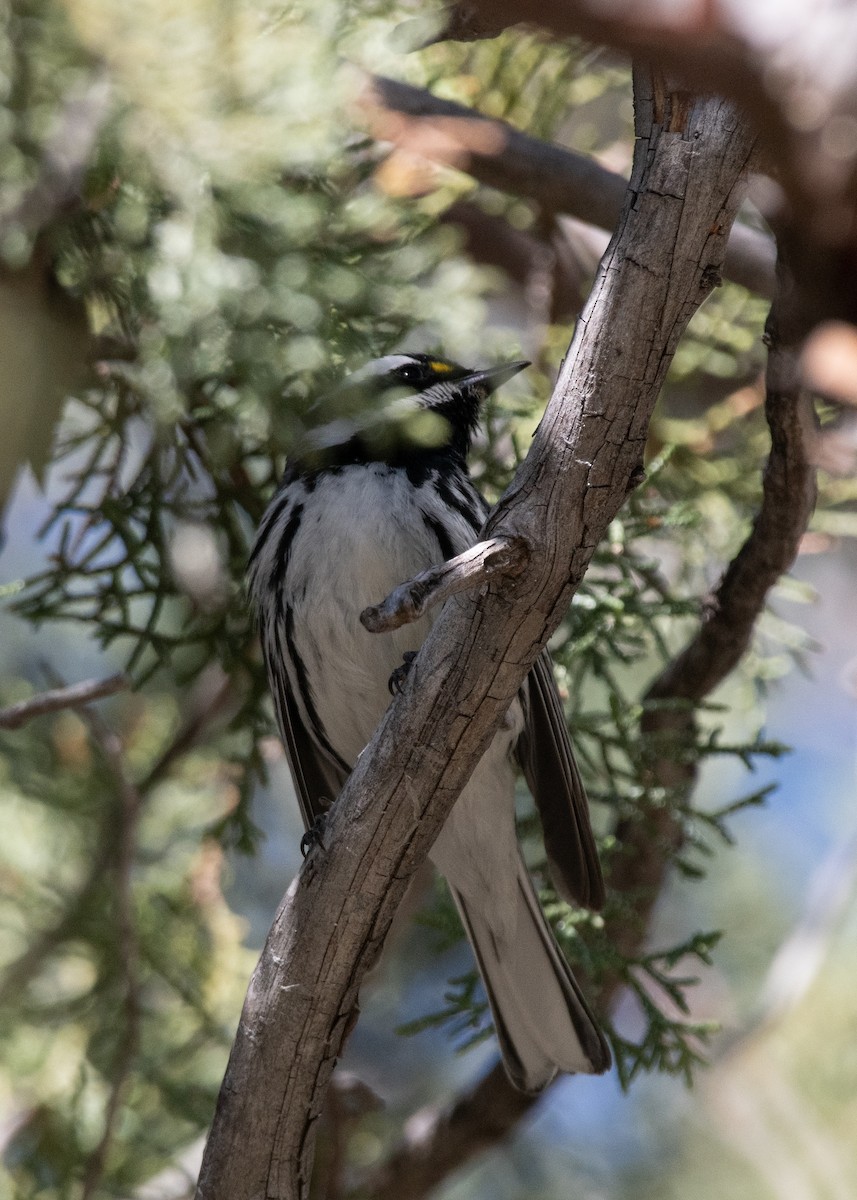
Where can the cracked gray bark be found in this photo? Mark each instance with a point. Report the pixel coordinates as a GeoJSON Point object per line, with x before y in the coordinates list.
{"type": "Point", "coordinates": [690, 163]}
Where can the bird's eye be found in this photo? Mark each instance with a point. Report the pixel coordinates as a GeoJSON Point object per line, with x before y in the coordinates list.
{"type": "Point", "coordinates": [410, 373]}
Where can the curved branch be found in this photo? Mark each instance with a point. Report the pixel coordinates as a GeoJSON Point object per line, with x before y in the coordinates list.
{"type": "Point", "coordinates": [441, 1140]}
{"type": "Point", "coordinates": [788, 500]}
{"type": "Point", "coordinates": [686, 187]}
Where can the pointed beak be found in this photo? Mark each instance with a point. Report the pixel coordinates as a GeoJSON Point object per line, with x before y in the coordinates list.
{"type": "Point", "coordinates": [491, 378]}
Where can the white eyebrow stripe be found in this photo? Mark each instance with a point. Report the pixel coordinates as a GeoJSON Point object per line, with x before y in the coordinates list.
{"type": "Point", "coordinates": [382, 366]}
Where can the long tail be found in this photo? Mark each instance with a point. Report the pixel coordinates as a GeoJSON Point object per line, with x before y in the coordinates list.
{"type": "Point", "coordinates": [543, 1023]}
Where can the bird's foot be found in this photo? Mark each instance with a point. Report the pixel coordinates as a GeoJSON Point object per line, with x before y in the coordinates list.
{"type": "Point", "coordinates": [396, 682]}
{"type": "Point", "coordinates": [314, 836]}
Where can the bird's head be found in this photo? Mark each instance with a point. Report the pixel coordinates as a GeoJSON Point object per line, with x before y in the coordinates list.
{"type": "Point", "coordinates": [404, 405]}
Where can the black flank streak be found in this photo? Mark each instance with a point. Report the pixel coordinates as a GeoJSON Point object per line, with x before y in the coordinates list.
{"type": "Point", "coordinates": [284, 548]}
{"type": "Point", "coordinates": [304, 689]}
{"type": "Point", "coordinates": [275, 509]}
{"type": "Point", "coordinates": [446, 547]}
{"type": "Point", "coordinates": [456, 498]}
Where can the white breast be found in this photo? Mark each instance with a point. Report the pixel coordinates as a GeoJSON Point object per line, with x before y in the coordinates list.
{"type": "Point", "coordinates": [363, 531]}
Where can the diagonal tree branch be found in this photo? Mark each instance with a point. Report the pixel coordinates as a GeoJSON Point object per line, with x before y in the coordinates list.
{"type": "Point", "coordinates": [690, 163]}
{"type": "Point", "coordinates": [494, 152]}
{"type": "Point", "coordinates": [440, 1141]}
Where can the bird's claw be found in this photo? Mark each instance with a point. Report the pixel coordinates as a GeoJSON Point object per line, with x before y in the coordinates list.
{"type": "Point", "coordinates": [314, 836]}
{"type": "Point", "coordinates": [396, 682]}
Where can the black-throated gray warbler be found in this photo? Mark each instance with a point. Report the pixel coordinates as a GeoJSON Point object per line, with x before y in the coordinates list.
{"type": "Point", "coordinates": [364, 506]}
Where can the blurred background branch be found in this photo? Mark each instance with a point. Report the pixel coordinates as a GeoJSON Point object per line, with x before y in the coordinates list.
{"type": "Point", "coordinates": [75, 695]}
{"type": "Point", "coordinates": [560, 181]}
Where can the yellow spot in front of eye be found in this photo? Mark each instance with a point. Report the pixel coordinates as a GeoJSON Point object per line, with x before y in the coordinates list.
{"type": "Point", "coordinates": [440, 367]}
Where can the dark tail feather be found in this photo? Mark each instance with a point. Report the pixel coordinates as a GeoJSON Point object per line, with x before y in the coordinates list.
{"type": "Point", "coordinates": [543, 1023]}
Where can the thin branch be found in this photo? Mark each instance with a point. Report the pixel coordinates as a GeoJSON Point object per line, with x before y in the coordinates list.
{"type": "Point", "coordinates": [76, 695]}
{"type": "Point", "coordinates": [647, 841]}
{"type": "Point", "coordinates": [561, 181]}
{"type": "Point", "coordinates": [788, 500]}
{"type": "Point", "coordinates": [472, 569]}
